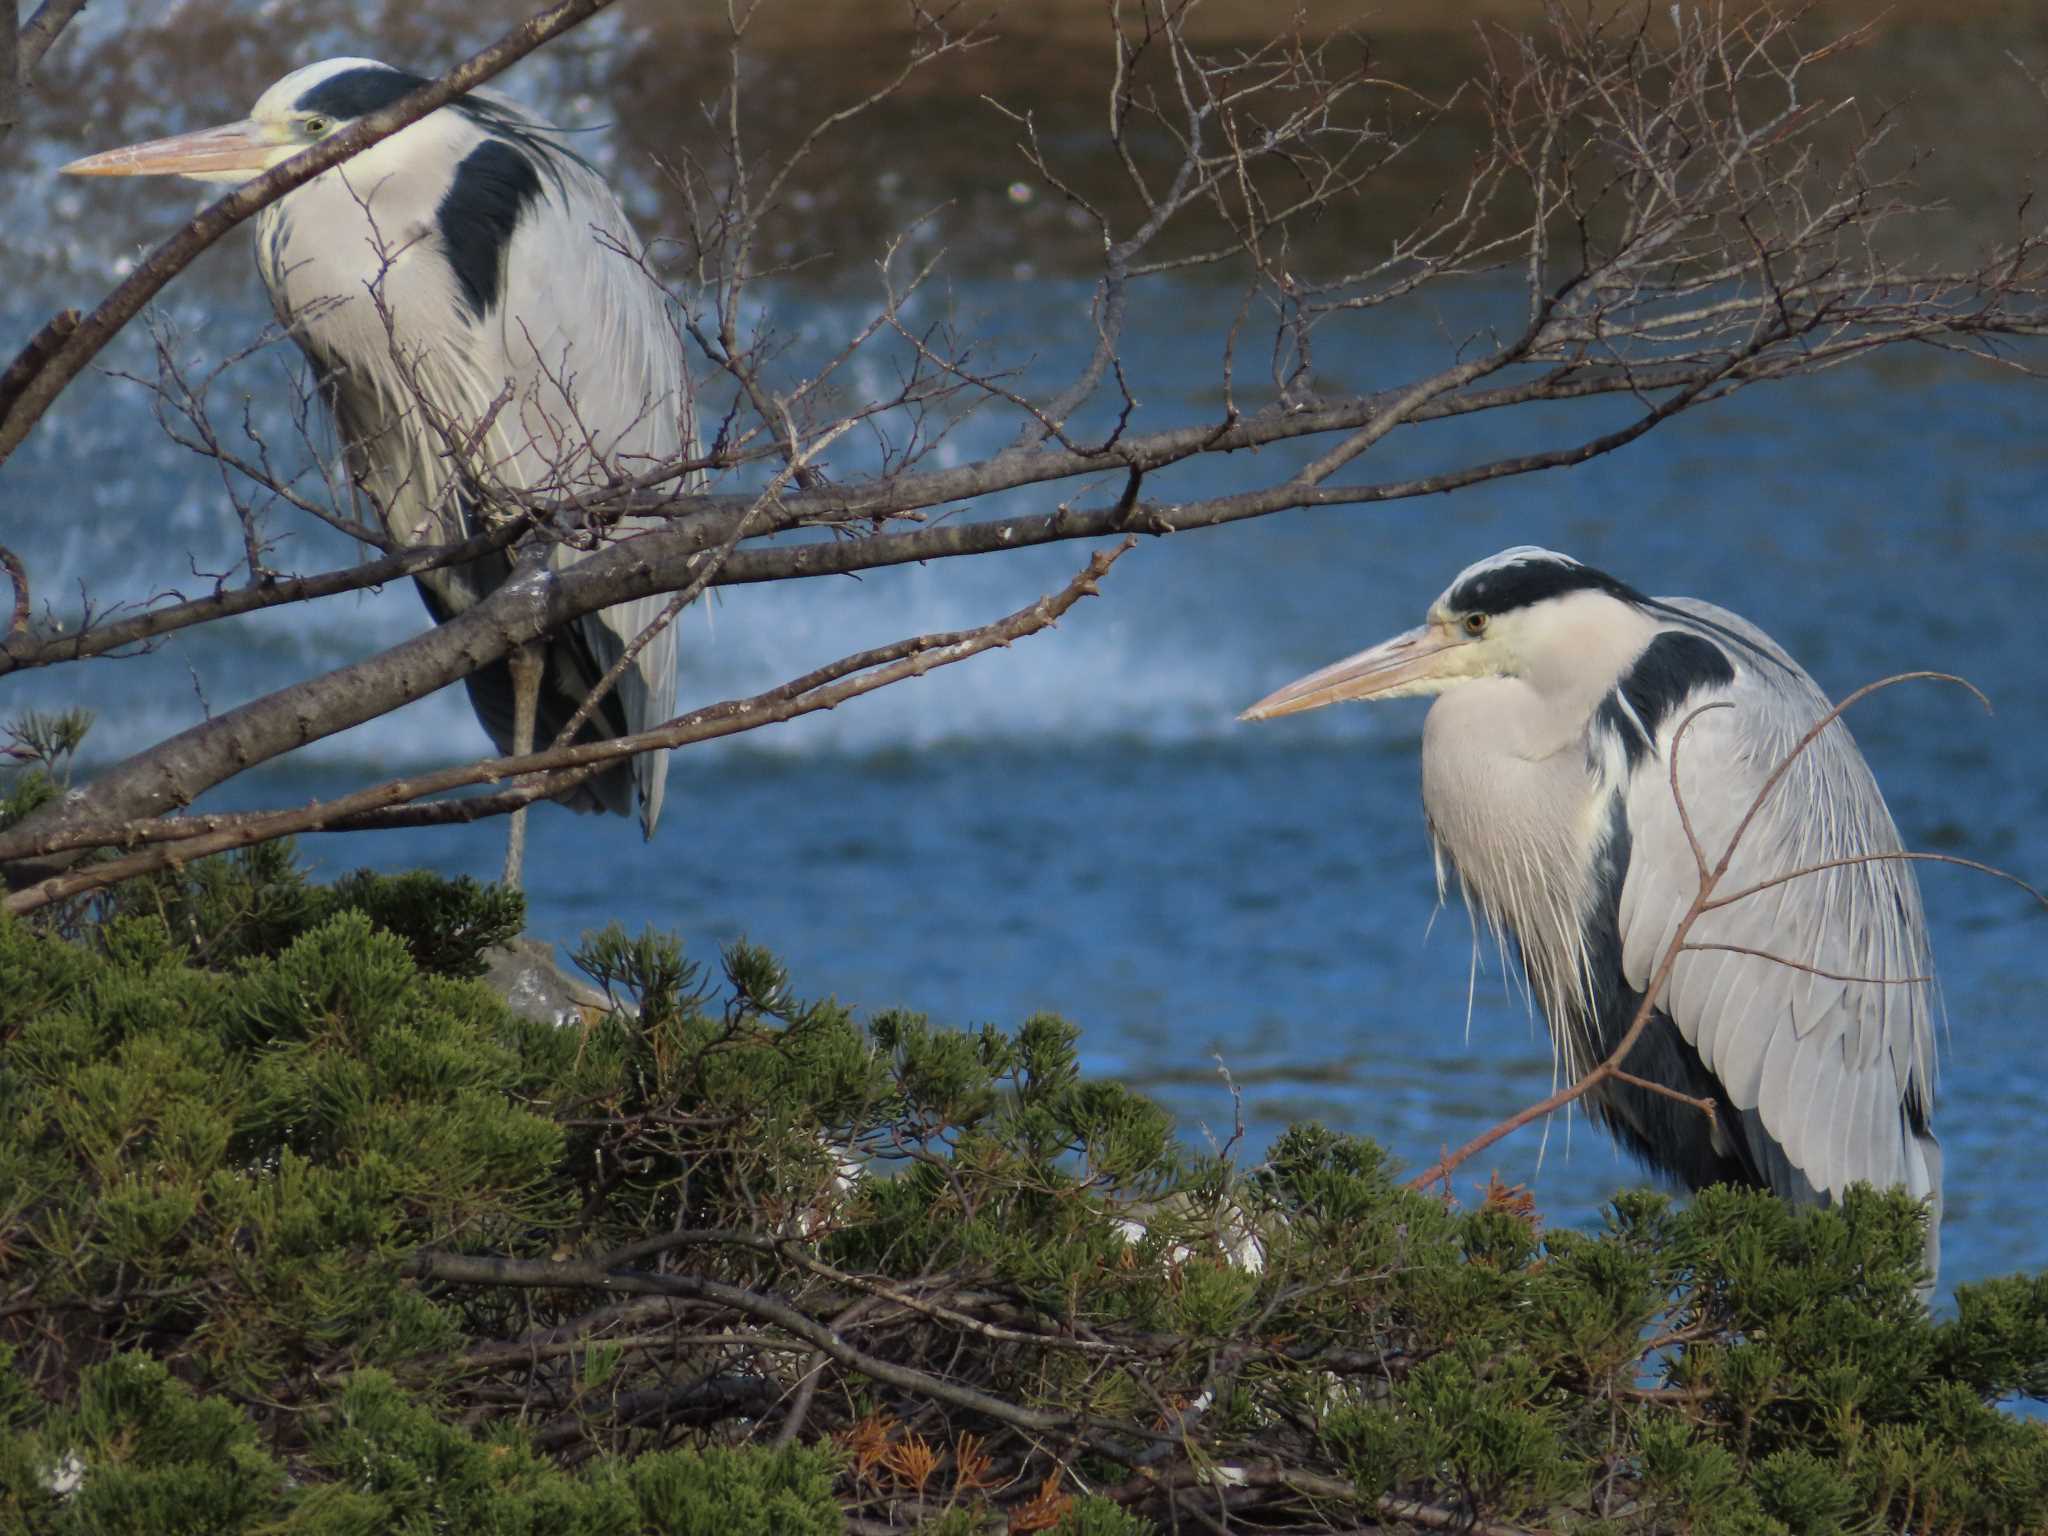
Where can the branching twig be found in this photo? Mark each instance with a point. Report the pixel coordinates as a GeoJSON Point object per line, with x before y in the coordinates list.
{"type": "Point", "coordinates": [17, 574]}
{"type": "Point", "coordinates": [1711, 872]}
{"type": "Point", "coordinates": [176, 841]}
{"type": "Point", "coordinates": [66, 361]}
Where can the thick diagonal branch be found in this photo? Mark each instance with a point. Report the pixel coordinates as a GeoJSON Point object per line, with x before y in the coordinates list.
{"type": "Point", "coordinates": [170, 841]}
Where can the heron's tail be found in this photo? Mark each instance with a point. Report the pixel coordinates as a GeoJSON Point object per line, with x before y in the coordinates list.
{"type": "Point", "coordinates": [1923, 1182]}
{"type": "Point", "coordinates": [650, 770]}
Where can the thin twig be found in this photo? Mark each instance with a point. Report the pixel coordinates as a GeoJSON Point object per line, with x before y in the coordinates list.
{"type": "Point", "coordinates": [1710, 875]}
{"type": "Point", "coordinates": [179, 840]}
{"type": "Point", "coordinates": [70, 358]}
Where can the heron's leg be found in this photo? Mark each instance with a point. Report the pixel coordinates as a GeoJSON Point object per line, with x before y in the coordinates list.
{"type": "Point", "coordinates": [526, 663]}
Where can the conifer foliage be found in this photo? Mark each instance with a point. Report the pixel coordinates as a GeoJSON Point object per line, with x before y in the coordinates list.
{"type": "Point", "coordinates": [301, 1230]}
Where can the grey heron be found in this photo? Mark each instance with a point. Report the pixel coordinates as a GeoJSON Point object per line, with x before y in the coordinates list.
{"type": "Point", "coordinates": [469, 296]}
{"type": "Point", "coordinates": [1802, 1012]}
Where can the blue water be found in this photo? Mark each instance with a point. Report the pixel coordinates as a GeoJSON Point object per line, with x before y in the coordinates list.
{"type": "Point", "coordinates": [1078, 824]}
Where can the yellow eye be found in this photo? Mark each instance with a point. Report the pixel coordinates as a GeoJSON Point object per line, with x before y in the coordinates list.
{"type": "Point", "coordinates": [1475, 624]}
{"type": "Point", "coordinates": [316, 126]}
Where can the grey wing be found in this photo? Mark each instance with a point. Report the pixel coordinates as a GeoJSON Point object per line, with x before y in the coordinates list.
{"type": "Point", "coordinates": [1808, 1013]}
{"type": "Point", "coordinates": [601, 390]}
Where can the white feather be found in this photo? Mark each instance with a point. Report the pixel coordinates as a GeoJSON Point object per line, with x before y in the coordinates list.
{"type": "Point", "coordinates": [1517, 765]}
{"type": "Point", "coordinates": [577, 357]}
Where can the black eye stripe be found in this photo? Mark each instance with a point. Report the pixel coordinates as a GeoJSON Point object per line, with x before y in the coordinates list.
{"type": "Point", "coordinates": [356, 92]}
{"type": "Point", "coordinates": [1526, 580]}
{"type": "Point", "coordinates": [1524, 583]}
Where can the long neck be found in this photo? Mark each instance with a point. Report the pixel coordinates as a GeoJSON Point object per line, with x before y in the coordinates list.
{"type": "Point", "coordinates": [1519, 809]}
{"type": "Point", "coordinates": [372, 223]}
{"type": "Point", "coordinates": [355, 264]}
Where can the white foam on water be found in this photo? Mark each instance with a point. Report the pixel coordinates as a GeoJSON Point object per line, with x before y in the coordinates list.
{"type": "Point", "coordinates": [1143, 660]}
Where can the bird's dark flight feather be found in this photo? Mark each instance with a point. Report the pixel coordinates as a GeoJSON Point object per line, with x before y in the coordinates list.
{"type": "Point", "coordinates": [1673, 667]}
{"type": "Point", "coordinates": [1673, 1138]}
{"type": "Point", "coordinates": [492, 187]}
{"type": "Point", "coordinates": [571, 672]}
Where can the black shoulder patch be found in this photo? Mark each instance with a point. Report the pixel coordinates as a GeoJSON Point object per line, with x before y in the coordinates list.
{"type": "Point", "coordinates": [1672, 667]}
{"type": "Point", "coordinates": [491, 189]}
{"type": "Point", "coordinates": [1505, 588]}
{"type": "Point", "coordinates": [355, 92]}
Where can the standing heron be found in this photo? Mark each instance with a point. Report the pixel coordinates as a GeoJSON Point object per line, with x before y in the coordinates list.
{"type": "Point", "coordinates": [1802, 1011]}
{"type": "Point", "coordinates": [469, 294]}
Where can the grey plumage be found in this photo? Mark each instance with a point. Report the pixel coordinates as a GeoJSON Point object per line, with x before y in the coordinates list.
{"type": "Point", "coordinates": [1803, 1011]}
{"type": "Point", "coordinates": [468, 293]}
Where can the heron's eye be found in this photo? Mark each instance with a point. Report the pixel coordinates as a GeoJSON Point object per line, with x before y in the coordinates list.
{"type": "Point", "coordinates": [1475, 624]}
{"type": "Point", "coordinates": [316, 126]}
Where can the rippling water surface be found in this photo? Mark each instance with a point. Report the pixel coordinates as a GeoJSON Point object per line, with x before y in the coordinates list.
{"type": "Point", "coordinates": [1077, 824]}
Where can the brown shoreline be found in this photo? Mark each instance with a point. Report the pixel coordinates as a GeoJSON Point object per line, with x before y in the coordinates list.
{"type": "Point", "coordinates": [644, 77]}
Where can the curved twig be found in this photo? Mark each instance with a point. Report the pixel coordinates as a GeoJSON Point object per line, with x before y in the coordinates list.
{"type": "Point", "coordinates": [69, 359]}
{"type": "Point", "coordinates": [17, 573]}
{"type": "Point", "coordinates": [177, 840]}
{"type": "Point", "coordinates": [1705, 901]}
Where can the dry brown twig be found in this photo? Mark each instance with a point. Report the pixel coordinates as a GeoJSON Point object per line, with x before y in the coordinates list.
{"type": "Point", "coordinates": [81, 343]}
{"type": "Point", "coordinates": [176, 841]}
{"type": "Point", "coordinates": [1659, 192]}
{"type": "Point", "coordinates": [17, 575]}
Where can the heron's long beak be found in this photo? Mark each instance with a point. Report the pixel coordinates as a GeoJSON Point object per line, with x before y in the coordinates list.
{"type": "Point", "coordinates": [244, 146]}
{"type": "Point", "coordinates": [1410, 663]}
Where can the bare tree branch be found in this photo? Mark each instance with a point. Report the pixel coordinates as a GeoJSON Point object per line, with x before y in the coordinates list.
{"type": "Point", "coordinates": [1711, 873]}
{"type": "Point", "coordinates": [41, 30]}
{"type": "Point", "coordinates": [559, 767]}
{"type": "Point", "coordinates": [17, 574]}
{"type": "Point", "coordinates": [13, 77]}
{"type": "Point", "coordinates": [897, 496]}
{"type": "Point", "coordinates": [66, 361]}
{"type": "Point", "coordinates": [1657, 197]}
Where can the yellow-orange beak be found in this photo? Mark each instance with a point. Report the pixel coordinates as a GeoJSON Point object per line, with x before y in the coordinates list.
{"type": "Point", "coordinates": [243, 147]}
{"type": "Point", "coordinates": [1411, 663]}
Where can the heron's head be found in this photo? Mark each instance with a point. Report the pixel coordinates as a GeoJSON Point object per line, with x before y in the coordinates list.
{"type": "Point", "coordinates": [300, 110]}
{"type": "Point", "coordinates": [1526, 612]}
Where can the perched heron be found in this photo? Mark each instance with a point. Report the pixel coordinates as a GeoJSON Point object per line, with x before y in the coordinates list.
{"type": "Point", "coordinates": [1801, 1012]}
{"type": "Point", "coordinates": [469, 295]}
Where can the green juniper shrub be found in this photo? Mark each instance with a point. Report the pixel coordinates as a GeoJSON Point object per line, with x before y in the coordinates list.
{"type": "Point", "coordinates": [41, 748]}
{"type": "Point", "coordinates": [302, 1230]}
{"type": "Point", "coordinates": [256, 901]}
